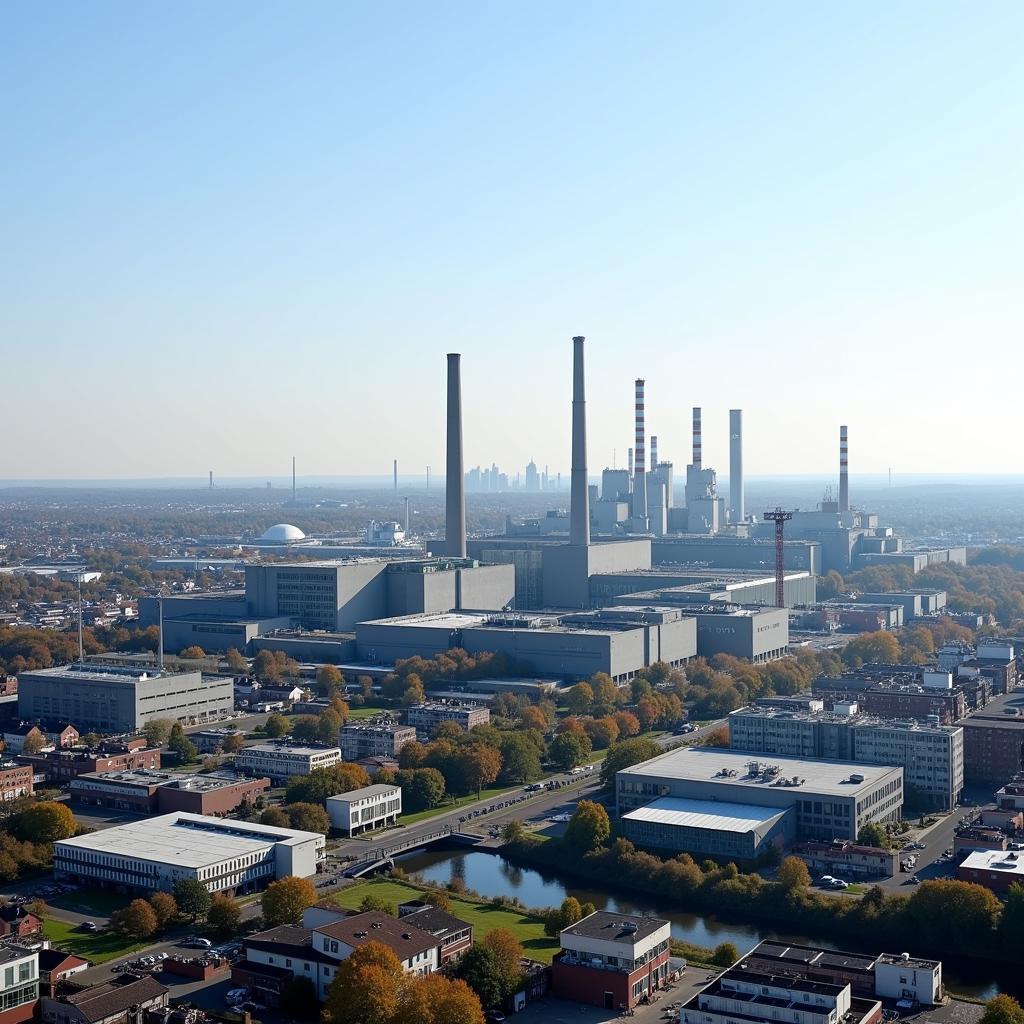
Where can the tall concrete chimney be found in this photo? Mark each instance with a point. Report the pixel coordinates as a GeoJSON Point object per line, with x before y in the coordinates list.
{"type": "Point", "coordinates": [455, 483]}
{"type": "Point", "coordinates": [579, 497]}
{"type": "Point", "coordinates": [654, 451]}
{"type": "Point", "coordinates": [844, 471]}
{"type": "Point", "coordinates": [640, 457]}
{"type": "Point", "coordinates": [630, 461]}
{"type": "Point", "coordinates": [395, 470]}
{"type": "Point", "coordinates": [697, 457]}
{"type": "Point", "coordinates": [736, 509]}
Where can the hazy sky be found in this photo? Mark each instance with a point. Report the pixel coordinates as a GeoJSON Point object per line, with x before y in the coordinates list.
{"type": "Point", "coordinates": [234, 231]}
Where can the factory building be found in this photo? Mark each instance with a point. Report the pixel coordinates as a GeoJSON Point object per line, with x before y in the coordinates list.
{"type": "Point", "coordinates": [155, 853]}
{"type": "Point", "coordinates": [726, 551]}
{"type": "Point", "coordinates": [699, 585]}
{"type": "Point", "coordinates": [107, 699]}
{"type": "Point", "coordinates": [755, 802]}
{"type": "Point", "coordinates": [619, 642]}
{"type": "Point", "coordinates": [931, 755]}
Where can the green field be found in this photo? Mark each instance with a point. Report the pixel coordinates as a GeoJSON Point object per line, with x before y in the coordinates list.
{"type": "Point", "coordinates": [365, 712]}
{"type": "Point", "coordinates": [99, 947]}
{"type": "Point", "coordinates": [482, 916]}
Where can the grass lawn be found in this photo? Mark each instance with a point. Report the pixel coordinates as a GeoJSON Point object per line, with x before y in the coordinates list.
{"type": "Point", "coordinates": [365, 712]}
{"type": "Point", "coordinates": [486, 794]}
{"type": "Point", "coordinates": [99, 947]}
{"type": "Point", "coordinates": [482, 916]}
{"type": "Point", "coordinates": [101, 902]}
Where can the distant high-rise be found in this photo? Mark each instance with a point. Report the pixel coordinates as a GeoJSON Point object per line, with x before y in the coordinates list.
{"type": "Point", "coordinates": [532, 476]}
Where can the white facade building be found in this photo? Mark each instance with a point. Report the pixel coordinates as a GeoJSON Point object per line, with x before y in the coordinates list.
{"type": "Point", "coordinates": [285, 760]}
{"type": "Point", "coordinates": [907, 977]}
{"type": "Point", "coordinates": [155, 853]}
{"type": "Point", "coordinates": [19, 979]}
{"type": "Point", "coordinates": [362, 810]}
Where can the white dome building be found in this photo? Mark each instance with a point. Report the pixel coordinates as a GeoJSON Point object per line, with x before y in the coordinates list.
{"type": "Point", "coordinates": [282, 533]}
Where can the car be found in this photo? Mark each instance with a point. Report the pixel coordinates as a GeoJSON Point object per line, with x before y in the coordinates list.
{"type": "Point", "coordinates": [838, 883]}
{"type": "Point", "coordinates": [576, 770]}
{"type": "Point", "coordinates": [88, 926]}
{"type": "Point", "coordinates": [948, 852]}
{"type": "Point", "coordinates": [535, 787]}
{"type": "Point", "coordinates": [236, 995]}
{"type": "Point", "coordinates": [495, 1017]}
{"type": "Point", "coordinates": [914, 880]}
{"type": "Point", "coordinates": [196, 943]}
{"type": "Point", "coordinates": [826, 880]}
{"type": "Point", "coordinates": [251, 1006]}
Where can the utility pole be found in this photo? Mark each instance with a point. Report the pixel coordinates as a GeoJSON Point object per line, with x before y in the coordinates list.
{"type": "Point", "coordinates": [779, 518]}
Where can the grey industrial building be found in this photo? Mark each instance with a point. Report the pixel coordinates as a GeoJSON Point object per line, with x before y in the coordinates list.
{"type": "Point", "coordinates": [705, 800]}
{"type": "Point", "coordinates": [931, 755]}
{"type": "Point", "coordinates": [700, 585]}
{"type": "Point", "coordinates": [106, 699]}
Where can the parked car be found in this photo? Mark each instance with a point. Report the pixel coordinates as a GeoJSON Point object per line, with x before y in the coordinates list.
{"type": "Point", "coordinates": [236, 995]}
{"type": "Point", "coordinates": [826, 880]}
{"type": "Point", "coordinates": [197, 943]}
{"type": "Point", "coordinates": [495, 1017]}
{"type": "Point", "coordinates": [88, 926]}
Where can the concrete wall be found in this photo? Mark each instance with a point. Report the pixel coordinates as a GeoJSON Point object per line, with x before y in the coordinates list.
{"type": "Point", "coordinates": [568, 568]}
{"type": "Point", "coordinates": [229, 605]}
{"type": "Point", "coordinates": [752, 636]}
{"type": "Point", "coordinates": [309, 647]}
{"type": "Point", "coordinates": [486, 588]}
{"type": "Point", "coordinates": [383, 644]}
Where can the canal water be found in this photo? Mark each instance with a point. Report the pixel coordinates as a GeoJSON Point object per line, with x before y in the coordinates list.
{"type": "Point", "coordinates": [490, 875]}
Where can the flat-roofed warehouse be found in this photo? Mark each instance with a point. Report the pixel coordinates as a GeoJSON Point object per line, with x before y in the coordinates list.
{"type": "Point", "coordinates": [155, 853]}
{"type": "Point", "coordinates": [107, 699]}
{"type": "Point", "coordinates": [822, 799]}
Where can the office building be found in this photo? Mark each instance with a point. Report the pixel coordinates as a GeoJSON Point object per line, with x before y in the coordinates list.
{"type": "Point", "coordinates": [153, 792]}
{"type": "Point", "coordinates": [106, 699]}
{"type": "Point", "coordinates": [847, 860]}
{"type": "Point", "coordinates": [426, 717]}
{"type": "Point", "coordinates": [15, 780]}
{"type": "Point", "coordinates": [155, 853]}
{"type": "Point", "coordinates": [454, 936]}
{"type": "Point", "coordinates": [994, 740]}
{"type": "Point", "coordinates": [19, 982]}
{"type": "Point", "coordinates": [280, 760]}
{"type": "Point", "coordinates": [611, 960]}
{"type": "Point", "coordinates": [363, 810]}
{"type": "Point", "coordinates": [376, 738]}
{"type": "Point", "coordinates": [109, 756]}
{"type": "Point", "coordinates": [818, 799]}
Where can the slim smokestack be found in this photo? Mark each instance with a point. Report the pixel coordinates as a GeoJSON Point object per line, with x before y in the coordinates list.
{"type": "Point", "coordinates": [428, 478]}
{"type": "Point", "coordinates": [630, 461]}
{"type": "Point", "coordinates": [579, 496]}
{"type": "Point", "coordinates": [293, 479]}
{"type": "Point", "coordinates": [640, 457]}
{"type": "Point", "coordinates": [407, 517]}
{"type": "Point", "coordinates": [736, 510]}
{"type": "Point", "coordinates": [395, 472]}
{"type": "Point", "coordinates": [654, 451]}
{"type": "Point", "coordinates": [455, 484]}
{"type": "Point", "coordinates": [211, 479]}
{"type": "Point", "coordinates": [697, 456]}
{"type": "Point", "coordinates": [844, 471]}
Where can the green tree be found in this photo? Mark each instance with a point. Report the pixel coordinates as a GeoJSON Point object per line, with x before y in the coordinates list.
{"type": "Point", "coordinates": [181, 745]}
{"type": "Point", "coordinates": [328, 727]}
{"type": "Point", "coordinates": [306, 729]}
{"type": "Point", "coordinates": [192, 897]}
{"type": "Point", "coordinates": [567, 750]}
{"type": "Point", "coordinates": [508, 952]}
{"type": "Point", "coordinates": [157, 731]}
{"type": "Point", "coordinates": [165, 908]}
{"type": "Point", "coordinates": [1011, 921]}
{"type": "Point", "coordinates": [873, 834]}
{"type": "Point", "coordinates": [580, 698]}
{"type": "Point", "coordinates": [513, 832]}
{"type": "Point", "coordinates": [725, 954]}
{"type": "Point", "coordinates": [137, 921]}
{"type": "Point", "coordinates": [322, 783]}
{"type": "Point", "coordinates": [567, 914]}
{"type": "Point", "coordinates": [233, 743]}
{"type": "Point", "coordinates": [952, 913]}
{"type": "Point", "coordinates": [480, 968]}
{"type": "Point", "coordinates": [373, 902]}
{"type": "Point", "coordinates": [44, 822]}
{"type": "Point", "coordinates": [308, 817]}
{"type": "Point", "coordinates": [224, 915]}
{"type": "Point", "coordinates": [276, 816]}
{"type": "Point", "coordinates": [266, 668]}
{"type": "Point", "coordinates": [520, 757]}
{"type": "Point", "coordinates": [589, 827]}
{"type": "Point", "coordinates": [285, 900]}
{"type": "Point", "coordinates": [276, 725]}
{"type": "Point", "coordinates": [793, 875]}
{"type": "Point", "coordinates": [625, 754]}
{"type": "Point", "coordinates": [1002, 1009]}
{"type": "Point", "coordinates": [422, 788]}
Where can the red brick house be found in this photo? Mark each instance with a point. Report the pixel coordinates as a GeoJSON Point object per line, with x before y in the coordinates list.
{"type": "Point", "coordinates": [18, 922]}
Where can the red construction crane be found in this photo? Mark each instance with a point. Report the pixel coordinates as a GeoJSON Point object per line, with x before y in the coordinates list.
{"type": "Point", "coordinates": [779, 518]}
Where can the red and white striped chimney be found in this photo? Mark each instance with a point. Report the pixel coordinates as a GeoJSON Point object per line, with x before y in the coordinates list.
{"type": "Point", "coordinates": [697, 456]}
{"type": "Point", "coordinates": [844, 471]}
{"type": "Point", "coordinates": [639, 457]}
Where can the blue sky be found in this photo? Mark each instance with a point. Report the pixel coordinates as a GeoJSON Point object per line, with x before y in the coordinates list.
{"type": "Point", "coordinates": [236, 231]}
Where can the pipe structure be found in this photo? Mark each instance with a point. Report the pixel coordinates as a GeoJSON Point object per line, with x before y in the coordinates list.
{"type": "Point", "coordinates": [844, 470]}
{"type": "Point", "coordinates": [640, 457]}
{"type": "Point", "coordinates": [697, 456]}
{"type": "Point", "coordinates": [579, 497]}
{"type": "Point", "coordinates": [736, 505]}
{"type": "Point", "coordinates": [455, 483]}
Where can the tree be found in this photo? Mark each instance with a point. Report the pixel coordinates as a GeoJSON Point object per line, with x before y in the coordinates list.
{"type": "Point", "coordinates": [567, 750]}
{"type": "Point", "coordinates": [520, 757]}
{"type": "Point", "coordinates": [625, 754]}
{"type": "Point", "coordinates": [276, 725]}
{"type": "Point", "coordinates": [628, 723]}
{"type": "Point", "coordinates": [725, 954]}
{"type": "Point", "coordinates": [277, 817]}
{"type": "Point", "coordinates": [91, 740]}
{"type": "Point", "coordinates": [513, 832]}
{"type": "Point", "coordinates": [589, 827]}
{"type": "Point", "coordinates": [508, 952]}
{"type": "Point", "coordinates": [1011, 921]}
{"type": "Point", "coordinates": [436, 999]}
{"type": "Point", "coordinates": [366, 987]}
{"type": "Point", "coordinates": [603, 732]}
{"type": "Point", "coordinates": [1002, 1009]}
{"type": "Point", "coordinates": [717, 737]}
{"type": "Point", "coordinates": [648, 712]}
{"type": "Point", "coordinates": [568, 913]}
{"type": "Point", "coordinates": [237, 661]}
{"type": "Point", "coordinates": [157, 730]}
{"type": "Point", "coordinates": [181, 745]}
{"type": "Point", "coordinates": [137, 921]}
{"type": "Point", "coordinates": [422, 788]}
{"type": "Point", "coordinates": [580, 698]}
{"type": "Point", "coordinates": [224, 915]}
{"type": "Point", "coordinates": [793, 875]}
{"type": "Point", "coordinates": [329, 679]}
{"type": "Point", "coordinates": [284, 901]}
{"type": "Point", "coordinates": [191, 653]}
{"type": "Point", "coordinates": [44, 822]}
{"type": "Point", "coordinates": [438, 898]}
{"type": "Point", "coordinates": [233, 743]}
{"type": "Point", "coordinates": [880, 647]}
{"type": "Point", "coordinates": [306, 728]}
{"type": "Point", "coordinates": [873, 834]}
{"type": "Point", "coordinates": [33, 743]}
{"type": "Point", "coordinates": [478, 766]}
{"type": "Point", "coordinates": [165, 908]}
{"type": "Point", "coordinates": [952, 913]}
{"type": "Point", "coordinates": [192, 897]}
{"type": "Point", "coordinates": [308, 817]}
{"type": "Point", "coordinates": [534, 718]}
{"type": "Point", "coordinates": [322, 783]}
{"type": "Point", "coordinates": [265, 667]}
{"type": "Point", "coordinates": [480, 969]}
{"type": "Point", "coordinates": [328, 727]}
{"type": "Point", "coordinates": [373, 902]}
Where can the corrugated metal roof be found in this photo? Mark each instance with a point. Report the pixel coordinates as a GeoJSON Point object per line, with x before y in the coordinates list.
{"type": "Point", "coordinates": [715, 815]}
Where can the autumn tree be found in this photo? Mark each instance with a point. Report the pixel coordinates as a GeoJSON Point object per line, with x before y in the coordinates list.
{"type": "Point", "coordinates": [366, 988]}
{"type": "Point", "coordinates": [1002, 1009]}
{"type": "Point", "coordinates": [322, 783]}
{"type": "Point", "coordinates": [329, 679]}
{"type": "Point", "coordinates": [478, 766]}
{"type": "Point", "coordinates": [44, 822]}
{"type": "Point", "coordinates": [284, 901]}
{"type": "Point", "coordinates": [628, 723]}
{"type": "Point", "coordinates": [793, 875]}
{"type": "Point", "coordinates": [276, 816]}
{"type": "Point", "coordinates": [435, 999]}
{"type": "Point", "coordinates": [508, 953]}
{"type": "Point", "coordinates": [580, 698]}
{"type": "Point", "coordinates": [192, 653]}
{"type": "Point", "coordinates": [136, 921]}
{"type": "Point", "coordinates": [165, 907]}
{"type": "Point", "coordinates": [561, 917]}
{"type": "Point", "coordinates": [237, 661]}
{"type": "Point", "coordinates": [233, 743]}
{"type": "Point", "coordinates": [589, 827]}
{"type": "Point", "coordinates": [308, 817]}
{"type": "Point", "coordinates": [224, 915]}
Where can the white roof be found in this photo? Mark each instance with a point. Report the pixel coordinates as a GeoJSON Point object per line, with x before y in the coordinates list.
{"type": "Point", "coordinates": [715, 815]}
{"type": "Point", "coordinates": [283, 533]}
{"type": "Point", "coordinates": [1001, 861]}
{"type": "Point", "coordinates": [707, 764]}
{"type": "Point", "coordinates": [362, 794]}
{"type": "Point", "coordinates": [190, 840]}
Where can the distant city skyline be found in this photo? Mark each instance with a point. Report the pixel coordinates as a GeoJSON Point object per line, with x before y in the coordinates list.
{"type": "Point", "coordinates": [239, 233]}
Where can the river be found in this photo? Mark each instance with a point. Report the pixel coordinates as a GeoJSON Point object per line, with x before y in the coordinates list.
{"type": "Point", "coordinates": [490, 874]}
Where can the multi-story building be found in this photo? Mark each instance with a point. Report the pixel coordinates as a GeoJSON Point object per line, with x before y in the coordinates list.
{"type": "Point", "coordinates": [377, 738]}
{"type": "Point", "coordinates": [426, 717]}
{"type": "Point", "coordinates": [155, 853]}
{"type": "Point", "coordinates": [455, 936]}
{"type": "Point", "coordinates": [121, 1001]}
{"type": "Point", "coordinates": [931, 755]}
{"type": "Point", "coordinates": [19, 982]}
{"type": "Point", "coordinates": [995, 869]}
{"type": "Point", "coordinates": [791, 798]}
{"type": "Point", "coordinates": [15, 780]}
{"type": "Point", "coordinates": [152, 792]}
{"type": "Point", "coordinates": [40, 736]}
{"type": "Point", "coordinates": [898, 696]}
{"type": "Point", "coordinates": [62, 765]}
{"type": "Point", "coordinates": [362, 810]}
{"type": "Point", "coordinates": [108, 699]}
{"type": "Point", "coordinates": [847, 859]}
{"type": "Point", "coordinates": [281, 760]}
{"type": "Point", "coordinates": [994, 740]}
{"type": "Point", "coordinates": [611, 960]}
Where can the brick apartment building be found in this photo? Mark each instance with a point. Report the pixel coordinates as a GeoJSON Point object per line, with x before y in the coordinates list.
{"type": "Point", "coordinates": [64, 765]}
{"type": "Point", "coordinates": [15, 780]}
